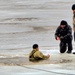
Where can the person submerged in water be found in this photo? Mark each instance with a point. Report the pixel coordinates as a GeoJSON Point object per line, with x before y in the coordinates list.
{"type": "Point", "coordinates": [36, 55]}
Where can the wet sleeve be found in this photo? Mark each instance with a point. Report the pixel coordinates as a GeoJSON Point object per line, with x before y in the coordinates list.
{"type": "Point", "coordinates": [40, 55]}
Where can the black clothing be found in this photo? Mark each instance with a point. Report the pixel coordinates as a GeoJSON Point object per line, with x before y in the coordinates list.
{"type": "Point", "coordinates": [73, 7]}
{"type": "Point", "coordinates": [64, 44]}
{"type": "Point", "coordinates": [65, 35]}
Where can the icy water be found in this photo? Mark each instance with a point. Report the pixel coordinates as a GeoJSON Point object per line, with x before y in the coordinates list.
{"type": "Point", "coordinates": [25, 22]}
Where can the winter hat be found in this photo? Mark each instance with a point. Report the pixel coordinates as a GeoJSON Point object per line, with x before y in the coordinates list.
{"type": "Point", "coordinates": [73, 7]}
{"type": "Point", "coordinates": [63, 22]}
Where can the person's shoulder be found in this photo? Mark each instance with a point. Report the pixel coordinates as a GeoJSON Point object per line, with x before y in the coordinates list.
{"type": "Point", "coordinates": [69, 26]}
{"type": "Point", "coordinates": [38, 52]}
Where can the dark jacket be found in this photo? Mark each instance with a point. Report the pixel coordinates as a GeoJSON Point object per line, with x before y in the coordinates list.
{"type": "Point", "coordinates": [64, 34]}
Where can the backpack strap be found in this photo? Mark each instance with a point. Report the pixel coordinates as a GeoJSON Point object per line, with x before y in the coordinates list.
{"type": "Point", "coordinates": [32, 55]}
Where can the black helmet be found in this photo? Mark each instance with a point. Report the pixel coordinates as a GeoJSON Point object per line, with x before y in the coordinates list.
{"type": "Point", "coordinates": [73, 7]}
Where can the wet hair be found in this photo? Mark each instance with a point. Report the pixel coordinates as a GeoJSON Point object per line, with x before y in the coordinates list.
{"type": "Point", "coordinates": [73, 7]}
{"type": "Point", "coordinates": [35, 46]}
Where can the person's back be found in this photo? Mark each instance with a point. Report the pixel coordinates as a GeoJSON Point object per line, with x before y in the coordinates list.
{"type": "Point", "coordinates": [36, 55]}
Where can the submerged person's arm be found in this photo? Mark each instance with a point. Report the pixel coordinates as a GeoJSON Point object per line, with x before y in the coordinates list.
{"type": "Point", "coordinates": [41, 55]}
